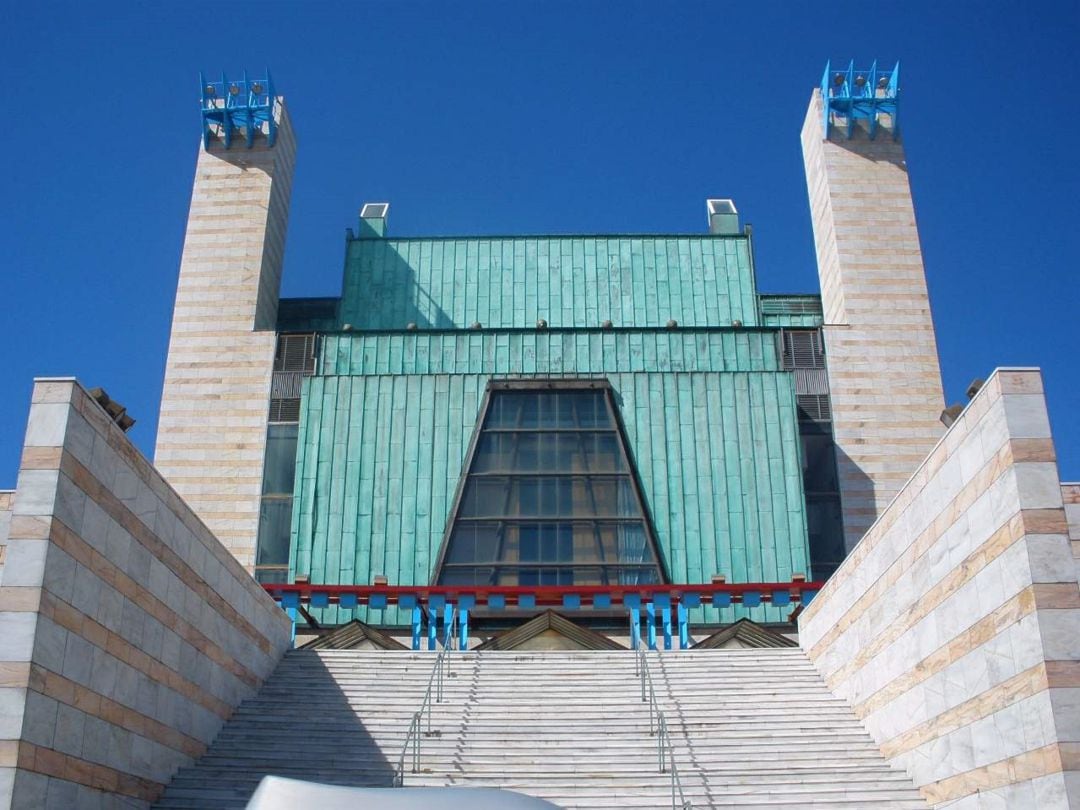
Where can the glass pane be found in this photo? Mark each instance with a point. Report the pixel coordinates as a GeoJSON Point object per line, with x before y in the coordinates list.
{"type": "Point", "coordinates": [819, 463]}
{"type": "Point", "coordinates": [525, 456]}
{"type": "Point", "coordinates": [493, 453]}
{"type": "Point", "coordinates": [484, 497]}
{"type": "Point", "coordinates": [275, 517]}
{"type": "Point", "coordinates": [280, 468]}
{"type": "Point", "coordinates": [529, 543]}
{"type": "Point", "coordinates": [631, 544]}
{"type": "Point", "coordinates": [606, 456]}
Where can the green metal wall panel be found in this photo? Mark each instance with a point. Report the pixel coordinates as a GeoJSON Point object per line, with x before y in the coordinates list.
{"type": "Point", "coordinates": [792, 321]}
{"type": "Point", "coordinates": [717, 453]}
{"type": "Point", "coordinates": [507, 283]}
{"type": "Point", "coordinates": [549, 352]}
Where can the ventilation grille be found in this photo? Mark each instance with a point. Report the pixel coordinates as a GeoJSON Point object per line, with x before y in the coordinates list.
{"type": "Point", "coordinates": [814, 407]}
{"type": "Point", "coordinates": [295, 353]}
{"type": "Point", "coordinates": [802, 349]}
{"type": "Point", "coordinates": [294, 360]}
{"type": "Point", "coordinates": [285, 410]}
{"type": "Point", "coordinates": [790, 305]}
{"type": "Point", "coordinates": [811, 381]}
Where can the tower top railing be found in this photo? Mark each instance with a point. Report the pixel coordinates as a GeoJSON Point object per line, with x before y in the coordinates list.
{"type": "Point", "coordinates": [244, 105]}
{"type": "Point", "coordinates": [851, 93]}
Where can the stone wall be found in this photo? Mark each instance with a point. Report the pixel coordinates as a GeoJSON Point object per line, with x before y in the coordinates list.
{"type": "Point", "coordinates": [128, 633]}
{"type": "Point", "coordinates": [214, 404]}
{"type": "Point", "coordinates": [881, 353]}
{"type": "Point", "coordinates": [953, 628]}
{"type": "Point", "coordinates": [7, 498]}
{"type": "Point", "coordinates": [1070, 495]}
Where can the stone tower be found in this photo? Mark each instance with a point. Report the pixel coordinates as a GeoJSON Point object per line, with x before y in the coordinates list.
{"type": "Point", "coordinates": [881, 353]}
{"type": "Point", "coordinates": [212, 431]}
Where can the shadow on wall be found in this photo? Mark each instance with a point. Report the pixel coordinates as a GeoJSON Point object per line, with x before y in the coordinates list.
{"type": "Point", "coordinates": [381, 291]}
{"type": "Point", "coordinates": [882, 149]}
{"type": "Point", "coordinates": [856, 513]}
{"type": "Point", "coordinates": [301, 725]}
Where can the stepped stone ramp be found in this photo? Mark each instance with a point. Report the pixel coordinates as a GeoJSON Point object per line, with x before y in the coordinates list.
{"type": "Point", "coordinates": [751, 728]}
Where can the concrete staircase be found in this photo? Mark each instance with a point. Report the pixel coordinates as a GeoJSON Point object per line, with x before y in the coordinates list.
{"type": "Point", "coordinates": [751, 728]}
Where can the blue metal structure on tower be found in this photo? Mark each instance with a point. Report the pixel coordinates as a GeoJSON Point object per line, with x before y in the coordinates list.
{"type": "Point", "coordinates": [853, 94]}
{"type": "Point", "coordinates": [243, 105]}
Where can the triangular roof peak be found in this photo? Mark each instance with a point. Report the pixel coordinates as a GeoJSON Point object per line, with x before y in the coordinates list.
{"type": "Point", "coordinates": [354, 635]}
{"type": "Point", "coordinates": [744, 633]}
{"type": "Point", "coordinates": [550, 631]}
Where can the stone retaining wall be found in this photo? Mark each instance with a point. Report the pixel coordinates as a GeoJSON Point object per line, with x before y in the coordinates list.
{"type": "Point", "coordinates": [953, 628]}
{"type": "Point", "coordinates": [128, 633]}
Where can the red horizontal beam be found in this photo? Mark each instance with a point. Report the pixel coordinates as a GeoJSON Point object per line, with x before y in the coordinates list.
{"type": "Point", "coordinates": [545, 596]}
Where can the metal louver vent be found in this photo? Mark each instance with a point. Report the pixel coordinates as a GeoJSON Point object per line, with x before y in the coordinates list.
{"type": "Point", "coordinates": [802, 349]}
{"type": "Point", "coordinates": [814, 407]}
{"type": "Point", "coordinates": [294, 360]}
{"type": "Point", "coordinates": [285, 410]}
{"type": "Point", "coordinates": [811, 381]}
{"type": "Point", "coordinates": [790, 305]}
{"type": "Point", "coordinates": [295, 353]}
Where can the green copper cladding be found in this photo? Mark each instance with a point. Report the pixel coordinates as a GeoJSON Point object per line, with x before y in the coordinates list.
{"type": "Point", "coordinates": [505, 283]}
{"type": "Point", "coordinates": [549, 352]}
{"type": "Point", "coordinates": [717, 454]}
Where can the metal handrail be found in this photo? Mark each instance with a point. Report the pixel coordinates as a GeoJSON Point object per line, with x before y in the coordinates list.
{"type": "Point", "coordinates": [658, 727]}
{"type": "Point", "coordinates": [435, 685]}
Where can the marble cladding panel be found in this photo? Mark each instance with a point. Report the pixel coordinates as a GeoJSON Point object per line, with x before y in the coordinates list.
{"type": "Point", "coordinates": [953, 626]}
{"type": "Point", "coordinates": [1070, 494]}
{"type": "Point", "coordinates": [128, 632]}
{"type": "Point", "coordinates": [7, 497]}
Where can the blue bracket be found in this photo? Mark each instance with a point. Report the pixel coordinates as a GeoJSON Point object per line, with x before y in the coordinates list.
{"type": "Point", "coordinates": [602, 601]}
{"type": "Point", "coordinates": [320, 600]}
{"type": "Point", "coordinates": [571, 601]}
{"type": "Point", "coordinates": [432, 628]}
{"type": "Point", "coordinates": [239, 105]}
{"type": "Point", "coordinates": [448, 623]}
{"type": "Point", "coordinates": [496, 601]}
{"type": "Point", "coordinates": [751, 599]}
{"type": "Point", "coordinates": [289, 603]}
{"type": "Point", "coordinates": [417, 614]}
{"type": "Point", "coordinates": [347, 601]}
{"type": "Point", "coordinates": [684, 626]}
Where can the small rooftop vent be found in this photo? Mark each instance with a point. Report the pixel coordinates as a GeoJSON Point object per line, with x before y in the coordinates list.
{"type": "Point", "coordinates": [373, 220]}
{"type": "Point", "coordinates": [723, 217]}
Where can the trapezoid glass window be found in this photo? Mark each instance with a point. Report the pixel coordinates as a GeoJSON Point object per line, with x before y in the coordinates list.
{"type": "Point", "coordinates": [549, 497]}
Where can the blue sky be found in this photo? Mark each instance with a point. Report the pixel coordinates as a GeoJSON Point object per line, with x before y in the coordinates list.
{"type": "Point", "coordinates": [504, 117]}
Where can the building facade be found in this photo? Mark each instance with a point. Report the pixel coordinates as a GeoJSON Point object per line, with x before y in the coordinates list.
{"type": "Point", "coordinates": [364, 438]}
